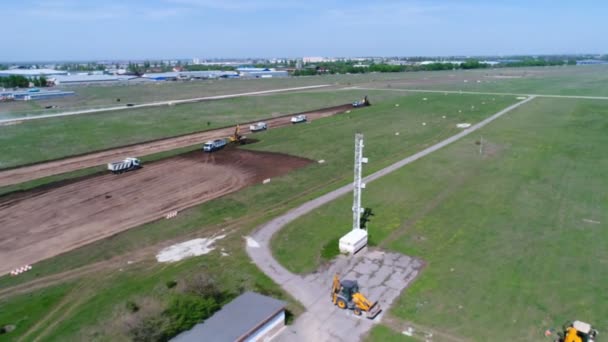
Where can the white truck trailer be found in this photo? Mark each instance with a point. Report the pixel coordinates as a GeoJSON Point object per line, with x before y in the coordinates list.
{"type": "Point", "coordinates": [214, 145]}
{"type": "Point", "coordinates": [298, 119]}
{"type": "Point", "coordinates": [126, 165]}
{"type": "Point", "coordinates": [260, 126]}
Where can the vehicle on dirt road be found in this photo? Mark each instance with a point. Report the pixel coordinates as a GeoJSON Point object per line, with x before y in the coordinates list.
{"type": "Point", "coordinates": [362, 103]}
{"type": "Point", "coordinates": [214, 145]}
{"type": "Point", "coordinates": [260, 126]}
{"type": "Point", "coordinates": [126, 165]}
{"type": "Point", "coordinates": [298, 119]}
{"type": "Point", "coordinates": [345, 294]}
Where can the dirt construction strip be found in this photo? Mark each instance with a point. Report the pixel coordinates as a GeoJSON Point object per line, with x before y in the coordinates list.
{"type": "Point", "coordinates": [318, 326]}
{"type": "Point", "coordinates": [159, 103]}
{"type": "Point", "coordinates": [39, 224]}
{"type": "Point", "coordinates": [35, 171]}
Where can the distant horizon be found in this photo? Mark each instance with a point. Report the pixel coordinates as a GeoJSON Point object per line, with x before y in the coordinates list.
{"type": "Point", "coordinates": [293, 58]}
{"type": "Point", "coordinates": [75, 30]}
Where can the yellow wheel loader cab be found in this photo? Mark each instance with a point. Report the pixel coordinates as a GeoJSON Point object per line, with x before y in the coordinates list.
{"type": "Point", "coordinates": [578, 331]}
{"type": "Point", "coordinates": [346, 295]}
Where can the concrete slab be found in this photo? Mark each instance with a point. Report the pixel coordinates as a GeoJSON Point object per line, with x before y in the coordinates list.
{"type": "Point", "coordinates": [381, 276]}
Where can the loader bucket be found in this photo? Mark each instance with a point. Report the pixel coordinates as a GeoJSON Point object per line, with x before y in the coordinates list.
{"type": "Point", "coordinates": [374, 310]}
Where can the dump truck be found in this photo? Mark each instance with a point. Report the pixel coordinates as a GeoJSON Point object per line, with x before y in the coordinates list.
{"type": "Point", "coordinates": [362, 103]}
{"type": "Point", "coordinates": [126, 165]}
{"type": "Point", "coordinates": [298, 119]}
{"type": "Point", "coordinates": [214, 145]}
{"type": "Point", "coordinates": [577, 331]}
{"type": "Point", "coordinates": [345, 294]}
{"type": "Point", "coordinates": [260, 126]}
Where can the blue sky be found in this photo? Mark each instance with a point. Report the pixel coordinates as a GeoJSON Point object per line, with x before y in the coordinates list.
{"type": "Point", "coordinates": [140, 29]}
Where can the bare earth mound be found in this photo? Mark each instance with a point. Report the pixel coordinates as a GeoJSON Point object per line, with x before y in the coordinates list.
{"type": "Point", "coordinates": [37, 225]}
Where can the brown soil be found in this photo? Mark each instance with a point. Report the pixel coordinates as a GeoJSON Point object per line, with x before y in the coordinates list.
{"type": "Point", "coordinates": [36, 225]}
{"type": "Point", "coordinates": [31, 172]}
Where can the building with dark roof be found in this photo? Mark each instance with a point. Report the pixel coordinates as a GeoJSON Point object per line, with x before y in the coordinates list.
{"type": "Point", "coordinates": [248, 318]}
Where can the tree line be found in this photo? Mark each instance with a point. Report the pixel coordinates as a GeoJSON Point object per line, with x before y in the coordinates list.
{"type": "Point", "coordinates": [17, 81]}
{"type": "Point", "coordinates": [349, 67]}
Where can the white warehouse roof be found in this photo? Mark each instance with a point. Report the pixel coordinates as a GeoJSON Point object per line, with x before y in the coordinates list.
{"type": "Point", "coordinates": [32, 72]}
{"type": "Point", "coordinates": [66, 79]}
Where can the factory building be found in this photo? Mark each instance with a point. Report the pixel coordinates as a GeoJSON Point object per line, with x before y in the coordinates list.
{"type": "Point", "coordinates": [32, 94]}
{"type": "Point", "coordinates": [186, 75]}
{"type": "Point", "coordinates": [248, 72]}
{"type": "Point", "coordinates": [88, 79]}
{"type": "Point", "coordinates": [29, 73]}
{"type": "Point", "coordinates": [251, 317]}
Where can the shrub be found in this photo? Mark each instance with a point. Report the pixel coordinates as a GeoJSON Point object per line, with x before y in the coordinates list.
{"type": "Point", "coordinates": [132, 306]}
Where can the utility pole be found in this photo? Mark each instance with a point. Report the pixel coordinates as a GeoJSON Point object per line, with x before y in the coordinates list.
{"type": "Point", "coordinates": [358, 184]}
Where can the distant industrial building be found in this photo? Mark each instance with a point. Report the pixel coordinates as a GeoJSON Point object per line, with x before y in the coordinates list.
{"type": "Point", "coordinates": [307, 60]}
{"type": "Point", "coordinates": [591, 62]}
{"type": "Point", "coordinates": [88, 79]}
{"type": "Point", "coordinates": [32, 94]}
{"type": "Point", "coordinates": [249, 72]}
{"type": "Point", "coordinates": [32, 72]}
{"type": "Point", "coordinates": [184, 75]}
{"type": "Point", "coordinates": [251, 317]}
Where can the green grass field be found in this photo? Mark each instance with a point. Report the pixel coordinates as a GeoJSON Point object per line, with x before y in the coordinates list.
{"type": "Point", "coordinates": [586, 80]}
{"type": "Point", "coordinates": [514, 240]}
{"type": "Point", "coordinates": [579, 80]}
{"type": "Point", "coordinates": [386, 334]}
{"type": "Point", "coordinates": [46, 139]}
{"type": "Point", "coordinates": [241, 212]}
{"type": "Point", "coordinates": [99, 96]}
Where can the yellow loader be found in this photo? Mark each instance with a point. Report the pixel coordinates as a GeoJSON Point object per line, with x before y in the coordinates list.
{"type": "Point", "coordinates": [345, 294]}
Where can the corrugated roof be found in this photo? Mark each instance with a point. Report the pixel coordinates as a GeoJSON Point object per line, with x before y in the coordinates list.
{"type": "Point", "coordinates": [32, 72]}
{"type": "Point", "coordinates": [90, 78]}
{"type": "Point", "coordinates": [235, 320]}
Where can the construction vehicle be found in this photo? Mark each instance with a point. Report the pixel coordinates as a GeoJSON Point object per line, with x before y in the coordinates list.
{"type": "Point", "coordinates": [126, 165]}
{"type": "Point", "coordinates": [577, 331]}
{"type": "Point", "coordinates": [362, 103]}
{"type": "Point", "coordinates": [298, 119]}
{"type": "Point", "coordinates": [236, 137]}
{"type": "Point", "coordinates": [345, 294]}
{"type": "Point", "coordinates": [214, 145]}
{"type": "Point", "coordinates": [260, 126]}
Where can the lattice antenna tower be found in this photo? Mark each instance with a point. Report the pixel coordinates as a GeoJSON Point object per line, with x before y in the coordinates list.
{"type": "Point", "coordinates": [358, 184]}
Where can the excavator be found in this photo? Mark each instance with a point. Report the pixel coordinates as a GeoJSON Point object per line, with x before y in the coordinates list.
{"type": "Point", "coordinates": [362, 103]}
{"type": "Point", "coordinates": [236, 137]}
{"type": "Point", "coordinates": [577, 331]}
{"type": "Point", "coordinates": [345, 294]}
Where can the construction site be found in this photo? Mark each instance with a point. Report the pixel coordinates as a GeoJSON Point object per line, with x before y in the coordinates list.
{"type": "Point", "coordinates": [409, 208]}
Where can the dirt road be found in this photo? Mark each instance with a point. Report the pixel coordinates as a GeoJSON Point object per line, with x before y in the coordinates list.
{"type": "Point", "coordinates": [27, 173]}
{"type": "Point", "coordinates": [39, 224]}
{"type": "Point", "coordinates": [258, 249]}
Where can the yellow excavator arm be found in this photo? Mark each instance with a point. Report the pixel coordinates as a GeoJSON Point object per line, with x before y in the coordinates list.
{"type": "Point", "coordinates": [335, 288]}
{"type": "Point", "coordinates": [362, 302]}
